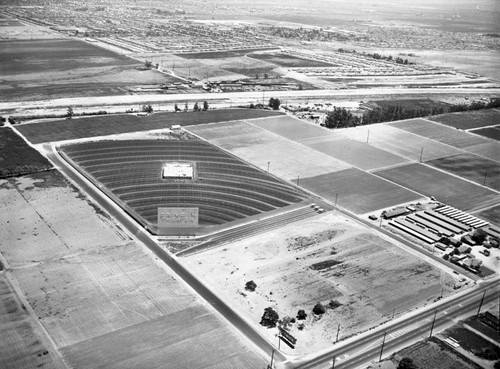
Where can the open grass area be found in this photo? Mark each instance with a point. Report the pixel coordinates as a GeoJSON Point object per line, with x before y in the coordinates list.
{"type": "Point", "coordinates": [68, 129]}
{"type": "Point", "coordinates": [289, 61]}
{"type": "Point", "coordinates": [358, 191]}
{"type": "Point", "coordinates": [445, 188]}
{"type": "Point", "coordinates": [469, 119]}
{"type": "Point", "coordinates": [475, 168]}
{"type": "Point", "coordinates": [413, 104]}
{"type": "Point", "coordinates": [219, 54]}
{"type": "Point", "coordinates": [59, 68]}
{"type": "Point", "coordinates": [94, 288]}
{"type": "Point", "coordinates": [17, 157]}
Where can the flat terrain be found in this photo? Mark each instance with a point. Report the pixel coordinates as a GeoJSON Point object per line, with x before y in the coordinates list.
{"type": "Point", "coordinates": [289, 61]}
{"type": "Point", "coordinates": [399, 142]}
{"type": "Point", "coordinates": [264, 149]}
{"type": "Point", "coordinates": [16, 157]}
{"type": "Point", "coordinates": [445, 188]}
{"type": "Point", "coordinates": [22, 345]}
{"type": "Point", "coordinates": [490, 132]}
{"type": "Point", "coordinates": [472, 167]}
{"type": "Point", "coordinates": [326, 258]}
{"type": "Point", "coordinates": [56, 68]}
{"type": "Point", "coordinates": [433, 353]}
{"type": "Point", "coordinates": [451, 136]}
{"type": "Point", "coordinates": [358, 191]}
{"type": "Point", "coordinates": [469, 119]}
{"type": "Point", "coordinates": [87, 278]}
{"type": "Point", "coordinates": [492, 214]}
{"type": "Point", "coordinates": [68, 129]}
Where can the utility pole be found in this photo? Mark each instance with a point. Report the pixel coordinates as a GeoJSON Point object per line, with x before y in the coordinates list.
{"type": "Point", "coordinates": [268, 165]}
{"type": "Point", "coordinates": [382, 348]}
{"type": "Point", "coordinates": [272, 359]}
{"type": "Point", "coordinates": [421, 153]}
{"type": "Point", "coordinates": [433, 321]}
{"type": "Point", "coordinates": [393, 312]}
{"type": "Point", "coordinates": [338, 331]}
{"type": "Point", "coordinates": [368, 136]}
{"type": "Point", "coordinates": [336, 198]}
{"type": "Point", "coordinates": [298, 178]}
{"type": "Point", "coordinates": [481, 303]}
{"type": "Point", "coordinates": [333, 361]}
{"type": "Point", "coordinates": [485, 174]}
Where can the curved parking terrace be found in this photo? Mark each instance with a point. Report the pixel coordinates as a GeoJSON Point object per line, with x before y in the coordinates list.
{"type": "Point", "coordinates": [224, 188]}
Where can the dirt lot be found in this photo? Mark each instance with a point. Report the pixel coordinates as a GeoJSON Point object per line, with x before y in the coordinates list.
{"type": "Point", "coordinates": [448, 189]}
{"type": "Point", "coordinates": [67, 129]}
{"type": "Point", "coordinates": [469, 119]}
{"type": "Point", "coordinates": [475, 168]}
{"type": "Point", "coordinates": [16, 157]}
{"type": "Point", "coordinates": [22, 345]}
{"type": "Point", "coordinates": [358, 191]}
{"type": "Point", "coordinates": [325, 258]}
{"type": "Point", "coordinates": [91, 285]}
{"type": "Point", "coordinates": [39, 69]}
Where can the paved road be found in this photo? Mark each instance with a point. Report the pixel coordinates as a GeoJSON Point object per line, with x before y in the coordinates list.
{"type": "Point", "coordinates": [356, 351]}
{"type": "Point", "coordinates": [402, 332]}
{"type": "Point", "coordinates": [244, 97]}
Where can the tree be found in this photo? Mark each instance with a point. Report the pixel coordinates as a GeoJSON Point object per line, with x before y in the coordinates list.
{"type": "Point", "coordinates": [301, 315]}
{"type": "Point", "coordinates": [497, 365]}
{"type": "Point", "coordinates": [479, 236]}
{"type": "Point", "coordinates": [274, 103]}
{"type": "Point", "coordinates": [319, 309]}
{"type": "Point", "coordinates": [186, 106]}
{"type": "Point", "coordinates": [69, 112]}
{"type": "Point", "coordinates": [406, 363]}
{"type": "Point", "coordinates": [148, 64]}
{"type": "Point", "coordinates": [196, 107]}
{"type": "Point", "coordinates": [147, 109]}
{"type": "Point", "coordinates": [270, 318]}
{"type": "Point", "coordinates": [205, 106]}
{"type": "Point", "coordinates": [250, 286]}
{"type": "Point", "coordinates": [176, 108]}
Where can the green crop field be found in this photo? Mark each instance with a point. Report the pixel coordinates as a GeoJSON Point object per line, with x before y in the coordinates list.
{"type": "Point", "coordinates": [446, 188]}
{"type": "Point", "coordinates": [16, 157]}
{"type": "Point", "coordinates": [67, 129]}
{"type": "Point", "coordinates": [491, 215]}
{"type": "Point", "coordinates": [358, 191]}
{"type": "Point", "coordinates": [475, 168]}
{"type": "Point", "coordinates": [469, 119]}
{"type": "Point", "coordinates": [490, 132]}
{"type": "Point", "coordinates": [219, 54]}
{"type": "Point", "coordinates": [289, 61]}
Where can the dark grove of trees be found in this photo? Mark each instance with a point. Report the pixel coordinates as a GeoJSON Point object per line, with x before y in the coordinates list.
{"type": "Point", "coordinates": [476, 105]}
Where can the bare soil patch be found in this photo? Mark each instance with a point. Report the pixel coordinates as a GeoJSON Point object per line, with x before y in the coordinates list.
{"type": "Point", "coordinates": [326, 258]}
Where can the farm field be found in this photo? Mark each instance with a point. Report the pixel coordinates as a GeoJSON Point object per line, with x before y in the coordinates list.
{"type": "Point", "coordinates": [399, 142]}
{"type": "Point", "coordinates": [445, 188]}
{"type": "Point", "coordinates": [58, 68]}
{"type": "Point", "coordinates": [469, 119]}
{"type": "Point", "coordinates": [261, 148]}
{"type": "Point", "coordinates": [433, 353]}
{"type": "Point", "coordinates": [326, 258]}
{"type": "Point", "coordinates": [86, 280]}
{"type": "Point", "coordinates": [492, 214]}
{"type": "Point", "coordinates": [489, 132]}
{"type": "Point", "coordinates": [289, 61]}
{"type": "Point", "coordinates": [474, 343]}
{"type": "Point", "coordinates": [475, 168]}
{"type": "Point", "coordinates": [355, 153]}
{"type": "Point", "coordinates": [16, 157]}
{"type": "Point", "coordinates": [451, 136]}
{"type": "Point", "coordinates": [358, 191]}
{"type": "Point", "coordinates": [22, 345]}
{"type": "Point", "coordinates": [293, 128]}
{"type": "Point", "coordinates": [68, 129]}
